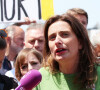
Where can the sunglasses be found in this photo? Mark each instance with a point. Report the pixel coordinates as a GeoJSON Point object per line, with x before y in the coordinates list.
{"type": "Point", "coordinates": [3, 33]}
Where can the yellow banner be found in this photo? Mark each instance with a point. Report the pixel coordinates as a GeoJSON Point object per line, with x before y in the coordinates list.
{"type": "Point", "coordinates": [47, 9]}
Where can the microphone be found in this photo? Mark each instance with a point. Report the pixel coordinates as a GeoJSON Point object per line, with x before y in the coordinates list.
{"type": "Point", "coordinates": [30, 80]}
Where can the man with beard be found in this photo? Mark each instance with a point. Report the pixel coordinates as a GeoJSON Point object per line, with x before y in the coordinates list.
{"type": "Point", "coordinates": [14, 45]}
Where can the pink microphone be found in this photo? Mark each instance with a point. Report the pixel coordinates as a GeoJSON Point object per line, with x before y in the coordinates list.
{"type": "Point", "coordinates": [30, 80]}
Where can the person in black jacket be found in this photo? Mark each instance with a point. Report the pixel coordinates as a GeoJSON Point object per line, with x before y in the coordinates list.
{"type": "Point", "coordinates": [6, 83]}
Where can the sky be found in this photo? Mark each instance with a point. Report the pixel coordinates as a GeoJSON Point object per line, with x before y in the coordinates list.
{"type": "Point", "coordinates": [92, 7]}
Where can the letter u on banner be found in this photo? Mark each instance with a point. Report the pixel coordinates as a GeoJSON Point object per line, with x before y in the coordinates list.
{"type": "Point", "coordinates": [47, 9]}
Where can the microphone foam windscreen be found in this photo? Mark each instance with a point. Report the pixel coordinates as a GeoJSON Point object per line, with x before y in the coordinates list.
{"type": "Point", "coordinates": [30, 80]}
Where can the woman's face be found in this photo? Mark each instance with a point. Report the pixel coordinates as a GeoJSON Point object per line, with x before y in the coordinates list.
{"type": "Point", "coordinates": [63, 43]}
{"type": "Point", "coordinates": [31, 62]}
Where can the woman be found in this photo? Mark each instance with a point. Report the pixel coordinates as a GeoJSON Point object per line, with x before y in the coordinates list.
{"type": "Point", "coordinates": [26, 60]}
{"type": "Point", "coordinates": [68, 56]}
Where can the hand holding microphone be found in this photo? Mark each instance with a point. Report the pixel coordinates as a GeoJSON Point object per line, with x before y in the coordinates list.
{"type": "Point", "coordinates": [30, 80]}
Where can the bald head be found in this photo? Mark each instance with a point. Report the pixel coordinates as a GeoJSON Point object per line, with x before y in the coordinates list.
{"type": "Point", "coordinates": [13, 29]}
{"type": "Point", "coordinates": [15, 38]}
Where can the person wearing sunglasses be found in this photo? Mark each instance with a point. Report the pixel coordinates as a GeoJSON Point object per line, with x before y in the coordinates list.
{"type": "Point", "coordinates": [15, 41]}
{"type": "Point", "coordinates": [6, 83]}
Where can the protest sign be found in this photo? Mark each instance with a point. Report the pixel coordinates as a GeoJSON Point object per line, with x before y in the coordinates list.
{"type": "Point", "coordinates": [16, 10]}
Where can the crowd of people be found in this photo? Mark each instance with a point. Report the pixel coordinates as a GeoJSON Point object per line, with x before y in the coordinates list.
{"type": "Point", "coordinates": [60, 49]}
